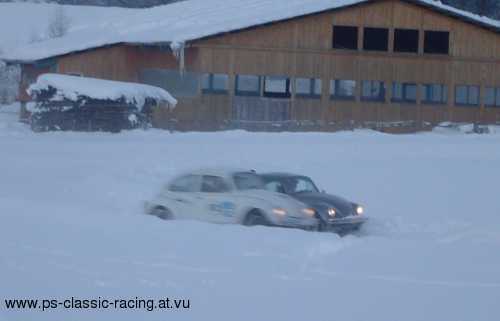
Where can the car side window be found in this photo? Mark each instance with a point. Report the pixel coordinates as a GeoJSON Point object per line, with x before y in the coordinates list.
{"type": "Point", "coordinates": [188, 183]}
{"type": "Point", "coordinates": [275, 186]}
{"type": "Point", "coordinates": [214, 184]}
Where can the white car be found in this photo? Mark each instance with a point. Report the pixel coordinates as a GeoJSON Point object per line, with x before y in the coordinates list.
{"type": "Point", "coordinates": [229, 196]}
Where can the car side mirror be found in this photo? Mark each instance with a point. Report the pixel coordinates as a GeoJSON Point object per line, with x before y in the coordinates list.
{"type": "Point", "coordinates": [323, 191]}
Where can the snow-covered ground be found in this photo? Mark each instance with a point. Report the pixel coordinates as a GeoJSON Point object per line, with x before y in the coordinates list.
{"type": "Point", "coordinates": [71, 225]}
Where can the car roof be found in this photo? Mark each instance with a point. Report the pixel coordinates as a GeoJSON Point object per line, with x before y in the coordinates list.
{"type": "Point", "coordinates": [281, 175]}
{"type": "Point", "coordinates": [217, 171]}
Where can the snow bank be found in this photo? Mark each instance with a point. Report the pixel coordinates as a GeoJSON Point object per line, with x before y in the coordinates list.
{"type": "Point", "coordinates": [72, 87]}
{"type": "Point", "coordinates": [465, 128]}
{"type": "Point", "coordinates": [9, 122]}
{"type": "Point", "coordinates": [188, 20]}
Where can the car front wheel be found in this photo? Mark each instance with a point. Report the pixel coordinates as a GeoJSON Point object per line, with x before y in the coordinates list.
{"type": "Point", "coordinates": [254, 218]}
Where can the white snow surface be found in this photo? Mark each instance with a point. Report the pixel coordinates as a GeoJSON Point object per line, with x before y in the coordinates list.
{"type": "Point", "coordinates": [71, 87]}
{"type": "Point", "coordinates": [71, 225]}
{"type": "Point", "coordinates": [189, 20]}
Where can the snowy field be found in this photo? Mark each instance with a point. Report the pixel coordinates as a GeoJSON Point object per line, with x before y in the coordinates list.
{"type": "Point", "coordinates": [71, 225]}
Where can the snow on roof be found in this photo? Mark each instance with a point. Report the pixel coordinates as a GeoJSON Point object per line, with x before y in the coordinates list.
{"type": "Point", "coordinates": [71, 87]}
{"type": "Point", "coordinates": [189, 20]}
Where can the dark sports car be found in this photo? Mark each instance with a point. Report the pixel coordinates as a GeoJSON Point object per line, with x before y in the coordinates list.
{"type": "Point", "coordinates": [335, 213]}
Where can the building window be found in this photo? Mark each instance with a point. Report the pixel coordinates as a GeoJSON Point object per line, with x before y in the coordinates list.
{"type": "Point", "coordinates": [180, 85]}
{"type": "Point", "coordinates": [467, 95]}
{"type": "Point", "coordinates": [404, 92]}
{"type": "Point", "coordinates": [247, 85]}
{"type": "Point", "coordinates": [214, 83]}
{"type": "Point", "coordinates": [276, 87]}
{"type": "Point", "coordinates": [437, 42]}
{"type": "Point", "coordinates": [406, 40]}
{"type": "Point", "coordinates": [343, 89]}
{"type": "Point", "coordinates": [308, 87]}
{"type": "Point", "coordinates": [345, 37]}
{"type": "Point", "coordinates": [376, 39]}
{"type": "Point", "coordinates": [373, 90]}
{"type": "Point", "coordinates": [492, 97]}
{"type": "Point", "coordinates": [434, 94]}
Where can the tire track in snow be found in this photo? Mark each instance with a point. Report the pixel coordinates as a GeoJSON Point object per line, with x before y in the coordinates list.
{"type": "Point", "coordinates": [406, 280]}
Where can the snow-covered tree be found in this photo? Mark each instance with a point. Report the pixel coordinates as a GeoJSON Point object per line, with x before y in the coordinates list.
{"type": "Point", "coordinates": [9, 82]}
{"type": "Point", "coordinates": [59, 23]}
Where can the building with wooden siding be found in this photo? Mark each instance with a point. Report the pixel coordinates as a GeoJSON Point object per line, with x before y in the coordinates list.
{"type": "Point", "coordinates": [388, 64]}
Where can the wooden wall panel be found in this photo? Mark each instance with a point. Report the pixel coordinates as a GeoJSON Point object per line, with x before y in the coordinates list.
{"type": "Point", "coordinates": [220, 60]}
{"type": "Point", "coordinates": [108, 63]}
{"type": "Point", "coordinates": [346, 67]}
{"type": "Point", "coordinates": [434, 71]}
{"type": "Point", "coordinates": [467, 73]}
{"type": "Point", "coordinates": [310, 65]}
{"type": "Point", "coordinates": [405, 16]}
{"type": "Point", "coordinates": [307, 109]}
{"type": "Point", "coordinates": [375, 68]}
{"type": "Point", "coordinates": [465, 114]}
{"type": "Point", "coordinates": [250, 62]}
{"type": "Point", "coordinates": [377, 14]}
{"type": "Point", "coordinates": [313, 32]}
{"type": "Point", "coordinates": [278, 63]}
{"type": "Point", "coordinates": [405, 70]}
{"type": "Point", "coordinates": [350, 16]}
{"type": "Point", "coordinates": [434, 114]}
{"type": "Point", "coordinates": [29, 76]}
{"type": "Point", "coordinates": [434, 21]}
{"type": "Point", "coordinates": [148, 57]}
{"type": "Point", "coordinates": [471, 41]}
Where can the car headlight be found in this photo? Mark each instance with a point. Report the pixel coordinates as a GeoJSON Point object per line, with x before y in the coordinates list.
{"type": "Point", "coordinates": [309, 212]}
{"type": "Point", "coordinates": [279, 211]}
{"type": "Point", "coordinates": [332, 212]}
{"type": "Point", "coordinates": [360, 210]}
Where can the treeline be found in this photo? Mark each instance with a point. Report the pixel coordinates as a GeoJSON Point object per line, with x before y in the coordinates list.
{"type": "Point", "coordinates": [490, 8]}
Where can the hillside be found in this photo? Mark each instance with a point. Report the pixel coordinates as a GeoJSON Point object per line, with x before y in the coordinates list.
{"type": "Point", "coordinates": [107, 3]}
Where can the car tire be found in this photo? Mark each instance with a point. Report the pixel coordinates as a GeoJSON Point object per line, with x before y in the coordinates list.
{"type": "Point", "coordinates": [323, 227]}
{"type": "Point", "coordinates": [162, 213]}
{"type": "Point", "coordinates": [255, 218]}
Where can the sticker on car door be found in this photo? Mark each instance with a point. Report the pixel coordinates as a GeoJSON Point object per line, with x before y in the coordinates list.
{"type": "Point", "coordinates": [225, 209]}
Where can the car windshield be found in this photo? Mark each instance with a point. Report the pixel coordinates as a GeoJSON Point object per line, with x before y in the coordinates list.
{"type": "Point", "coordinates": [245, 181]}
{"type": "Point", "coordinates": [293, 185]}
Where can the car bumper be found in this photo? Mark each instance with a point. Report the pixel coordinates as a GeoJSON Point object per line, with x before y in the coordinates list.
{"type": "Point", "coordinates": [345, 224]}
{"type": "Point", "coordinates": [299, 222]}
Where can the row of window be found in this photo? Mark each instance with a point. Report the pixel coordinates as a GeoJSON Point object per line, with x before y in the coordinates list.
{"type": "Point", "coordinates": [377, 39]}
{"type": "Point", "coordinates": [371, 90]}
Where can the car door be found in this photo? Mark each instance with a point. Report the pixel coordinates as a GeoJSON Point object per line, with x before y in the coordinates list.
{"type": "Point", "coordinates": [182, 196]}
{"type": "Point", "coordinates": [217, 200]}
